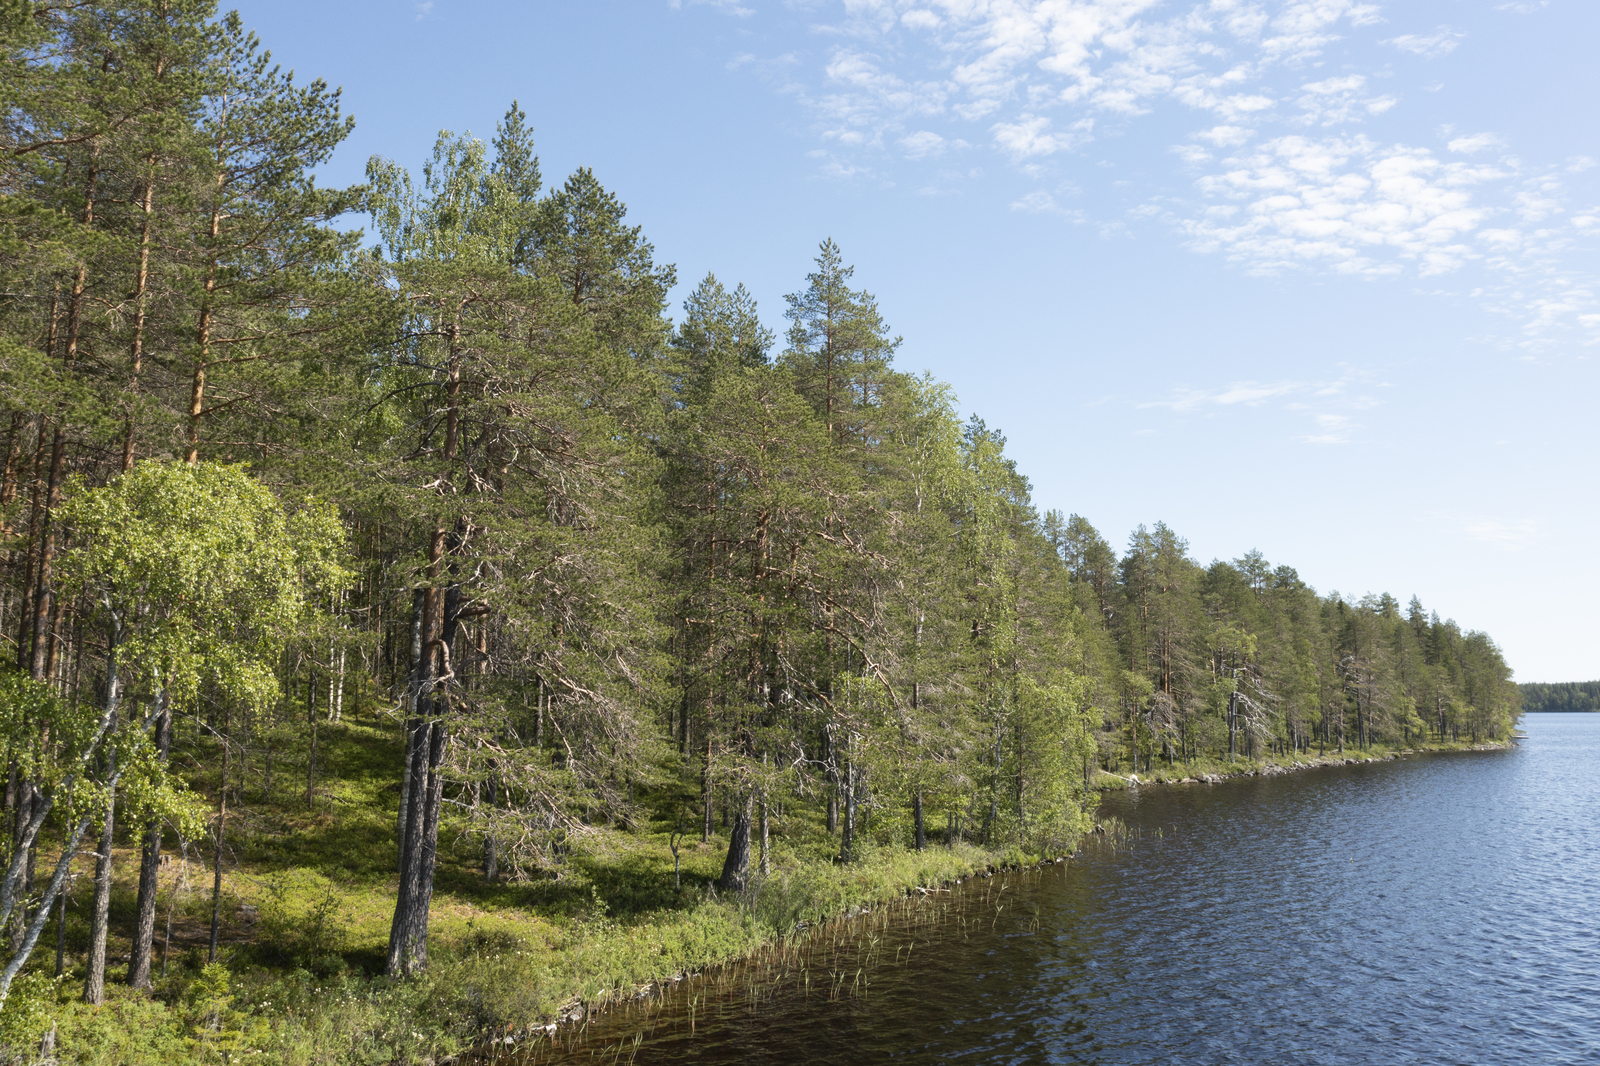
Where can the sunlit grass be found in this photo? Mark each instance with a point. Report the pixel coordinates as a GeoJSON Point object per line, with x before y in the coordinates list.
{"type": "Point", "coordinates": [308, 894]}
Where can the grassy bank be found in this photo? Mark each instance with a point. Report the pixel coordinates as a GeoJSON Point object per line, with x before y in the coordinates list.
{"type": "Point", "coordinates": [308, 892]}
{"type": "Point", "coordinates": [1207, 769]}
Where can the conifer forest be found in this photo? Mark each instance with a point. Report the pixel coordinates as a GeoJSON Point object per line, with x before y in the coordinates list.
{"type": "Point", "coordinates": [410, 527]}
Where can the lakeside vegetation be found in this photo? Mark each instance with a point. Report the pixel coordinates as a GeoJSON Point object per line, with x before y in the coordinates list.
{"type": "Point", "coordinates": [404, 638]}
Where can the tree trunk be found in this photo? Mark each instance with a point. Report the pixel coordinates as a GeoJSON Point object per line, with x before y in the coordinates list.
{"type": "Point", "coordinates": [408, 933]}
{"type": "Point", "coordinates": [413, 699]}
{"type": "Point", "coordinates": [706, 823]}
{"type": "Point", "coordinates": [69, 848]}
{"type": "Point", "coordinates": [311, 724]}
{"type": "Point", "coordinates": [338, 689]}
{"type": "Point", "coordinates": [847, 840]}
{"type": "Point", "coordinates": [766, 839]}
{"type": "Point", "coordinates": [216, 873]}
{"type": "Point", "coordinates": [25, 795]}
{"type": "Point", "coordinates": [916, 815]}
{"type": "Point", "coordinates": [140, 299]}
{"type": "Point", "coordinates": [736, 868]}
{"type": "Point", "coordinates": [63, 865]}
{"type": "Point", "coordinates": [42, 593]}
{"type": "Point", "coordinates": [491, 855]}
{"type": "Point", "coordinates": [94, 983]}
{"type": "Point", "coordinates": [833, 781]}
{"type": "Point", "coordinates": [144, 930]}
{"type": "Point", "coordinates": [61, 934]}
{"type": "Point", "coordinates": [197, 386]}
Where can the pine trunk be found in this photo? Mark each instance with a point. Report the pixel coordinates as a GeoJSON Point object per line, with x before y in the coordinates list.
{"type": "Point", "coordinates": [766, 839]}
{"type": "Point", "coordinates": [916, 814]}
{"type": "Point", "coordinates": [408, 933]}
{"type": "Point", "coordinates": [736, 867]}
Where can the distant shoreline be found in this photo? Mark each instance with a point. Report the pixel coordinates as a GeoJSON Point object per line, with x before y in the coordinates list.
{"type": "Point", "coordinates": [1215, 773]}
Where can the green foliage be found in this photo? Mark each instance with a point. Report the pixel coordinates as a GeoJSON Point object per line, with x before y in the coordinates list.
{"type": "Point", "coordinates": [1569, 696]}
{"type": "Point", "coordinates": [28, 1013]}
{"type": "Point", "coordinates": [201, 573]}
{"type": "Point", "coordinates": [130, 1029]}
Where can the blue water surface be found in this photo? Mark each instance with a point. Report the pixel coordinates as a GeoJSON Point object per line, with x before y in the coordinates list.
{"type": "Point", "coordinates": [1436, 909]}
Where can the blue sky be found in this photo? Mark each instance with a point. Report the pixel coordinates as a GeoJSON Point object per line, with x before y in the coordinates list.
{"type": "Point", "coordinates": [1317, 277]}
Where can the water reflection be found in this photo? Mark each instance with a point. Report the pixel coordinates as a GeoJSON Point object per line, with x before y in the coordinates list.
{"type": "Point", "coordinates": [1431, 910]}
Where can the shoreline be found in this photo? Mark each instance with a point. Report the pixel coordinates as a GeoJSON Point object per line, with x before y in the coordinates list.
{"type": "Point", "coordinates": [1218, 771]}
{"type": "Point", "coordinates": [511, 966]}
{"type": "Point", "coordinates": [577, 1012]}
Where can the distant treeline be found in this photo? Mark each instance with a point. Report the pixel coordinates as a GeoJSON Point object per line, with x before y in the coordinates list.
{"type": "Point", "coordinates": [1566, 696]}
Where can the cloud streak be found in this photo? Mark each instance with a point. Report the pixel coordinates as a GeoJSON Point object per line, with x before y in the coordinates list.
{"type": "Point", "coordinates": [1439, 43]}
{"type": "Point", "coordinates": [1329, 406]}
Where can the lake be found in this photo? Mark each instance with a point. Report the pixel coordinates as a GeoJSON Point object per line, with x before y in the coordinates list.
{"type": "Point", "coordinates": [1436, 909]}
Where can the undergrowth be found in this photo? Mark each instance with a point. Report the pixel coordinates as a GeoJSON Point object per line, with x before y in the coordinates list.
{"type": "Point", "coordinates": [307, 899]}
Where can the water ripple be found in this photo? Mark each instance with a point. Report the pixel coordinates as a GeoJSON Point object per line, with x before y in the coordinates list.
{"type": "Point", "coordinates": [1438, 910]}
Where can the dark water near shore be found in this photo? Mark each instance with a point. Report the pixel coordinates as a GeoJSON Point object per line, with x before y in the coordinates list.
{"type": "Point", "coordinates": [1440, 909]}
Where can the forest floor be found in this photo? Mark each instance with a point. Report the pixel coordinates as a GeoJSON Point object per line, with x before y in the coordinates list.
{"type": "Point", "coordinates": [308, 892]}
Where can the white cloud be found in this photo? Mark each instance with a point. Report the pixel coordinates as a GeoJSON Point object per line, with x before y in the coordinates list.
{"type": "Point", "coordinates": [1441, 42]}
{"type": "Point", "coordinates": [1249, 393]}
{"type": "Point", "coordinates": [1031, 136]}
{"type": "Point", "coordinates": [1009, 63]}
{"type": "Point", "coordinates": [1346, 204]}
{"type": "Point", "coordinates": [1335, 429]}
{"type": "Point", "coordinates": [877, 90]}
{"type": "Point", "coordinates": [1475, 143]}
{"type": "Point", "coordinates": [1282, 109]}
{"type": "Point", "coordinates": [1036, 201]}
{"type": "Point", "coordinates": [727, 7]}
{"type": "Point", "coordinates": [922, 143]}
{"type": "Point", "coordinates": [1508, 536]}
{"type": "Point", "coordinates": [1336, 86]}
{"type": "Point", "coordinates": [1325, 404]}
{"type": "Point", "coordinates": [1538, 202]}
{"type": "Point", "coordinates": [1226, 136]}
{"type": "Point", "coordinates": [1336, 101]}
{"type": "Point", "coordinates": [1040, 202]}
